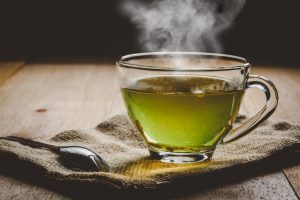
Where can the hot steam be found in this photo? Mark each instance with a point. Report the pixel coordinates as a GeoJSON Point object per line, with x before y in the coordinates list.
{"type": "Point", "coordinates": [182, 25]}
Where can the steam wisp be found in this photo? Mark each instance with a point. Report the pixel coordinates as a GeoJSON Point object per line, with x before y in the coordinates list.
{"type": "Point", "coordinates": [182, 25]}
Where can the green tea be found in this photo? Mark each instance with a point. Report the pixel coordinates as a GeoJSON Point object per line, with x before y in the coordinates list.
{"type": "Point", "coordinates": [182, 113]}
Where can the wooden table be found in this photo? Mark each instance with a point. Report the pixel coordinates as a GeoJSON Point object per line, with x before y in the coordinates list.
{"type": "Point", "coordinates": [39, 99]}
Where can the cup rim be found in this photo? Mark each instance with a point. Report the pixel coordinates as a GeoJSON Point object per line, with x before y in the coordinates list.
{"type": "Point", "coordinates": [123, 62]}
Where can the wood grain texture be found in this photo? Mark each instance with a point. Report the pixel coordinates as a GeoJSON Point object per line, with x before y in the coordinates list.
{"type": "Point", "coordinates": [70, 96]}
{"type": "Point", "coordinates": [293, 175]}
{"type": "Point", "coordinates": [12, 189]}
{"type": "Point", "coordinates": [271, 186]}
{"type": "Point", "coordinates": [287, 81]}
{"type": "Point", "coordinates": [43, 99]}
{"type": "Point", "coordinates": [8, 69]}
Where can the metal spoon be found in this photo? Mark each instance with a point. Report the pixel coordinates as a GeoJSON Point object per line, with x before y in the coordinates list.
{"type": "Point", "coordinates": [73, 157]}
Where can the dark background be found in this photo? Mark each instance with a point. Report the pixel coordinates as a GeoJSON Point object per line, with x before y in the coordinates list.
{"type": "Point", "coordinates": [266, 32]}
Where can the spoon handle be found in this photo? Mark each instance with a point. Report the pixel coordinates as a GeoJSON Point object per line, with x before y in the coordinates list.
{"type": "Point", "coordinates": [32, 143]}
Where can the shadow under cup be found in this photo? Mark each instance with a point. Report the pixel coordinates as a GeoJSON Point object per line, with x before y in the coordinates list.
{"type": "Point", "coordinates": [184, 104]}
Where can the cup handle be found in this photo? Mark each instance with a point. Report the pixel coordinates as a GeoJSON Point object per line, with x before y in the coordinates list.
{"type": "Point", "coordinates": [271, 93]}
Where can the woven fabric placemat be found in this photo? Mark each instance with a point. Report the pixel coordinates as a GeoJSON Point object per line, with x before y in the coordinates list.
{"type": "Point", "coordinates": [119, 143]}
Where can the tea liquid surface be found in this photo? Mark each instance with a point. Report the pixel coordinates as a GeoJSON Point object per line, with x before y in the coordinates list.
{"type": "Point", "coordinates": [182, 113]}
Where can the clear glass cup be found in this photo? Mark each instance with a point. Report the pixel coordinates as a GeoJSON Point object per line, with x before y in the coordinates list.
{"type": "Point", "coordinates": [185, 103]}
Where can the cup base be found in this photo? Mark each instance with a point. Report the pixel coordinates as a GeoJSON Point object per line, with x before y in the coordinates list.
{"type": "Point", "coordinates": [170, 157]}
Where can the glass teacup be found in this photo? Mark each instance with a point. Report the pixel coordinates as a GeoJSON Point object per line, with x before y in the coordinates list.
{"type": "Point", "coordinates": [185, 103]}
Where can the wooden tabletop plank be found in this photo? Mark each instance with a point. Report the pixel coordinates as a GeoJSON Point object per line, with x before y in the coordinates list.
{"type": "Point", "coordinates": [43, 99]}
{"type": "Point", "coordinates": [287, 81]}
{"type": "Point", "coordinates": [293, 175]}
{"type": "Point", "coordinates": [269, 186]}
{"type": "Point", "coordinates": [8, 69]}
{"type": "Point", "coordinates": [12, 189]}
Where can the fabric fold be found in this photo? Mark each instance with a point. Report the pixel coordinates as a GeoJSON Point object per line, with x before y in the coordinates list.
{"type": "Point", "coordinates": [122, 147]}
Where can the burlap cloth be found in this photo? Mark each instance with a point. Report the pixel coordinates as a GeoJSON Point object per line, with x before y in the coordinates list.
{"type": "Point", "coordinates": [118, 142]}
